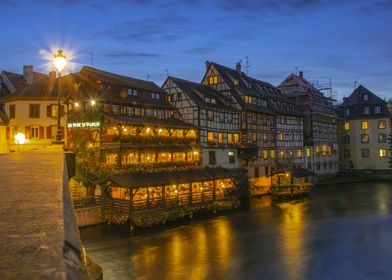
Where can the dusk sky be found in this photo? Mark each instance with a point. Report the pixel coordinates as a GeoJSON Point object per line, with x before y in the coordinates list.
{"type": "Point", "coordinates": [342, 40]}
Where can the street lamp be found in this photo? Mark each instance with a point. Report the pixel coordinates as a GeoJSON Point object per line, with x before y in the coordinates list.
{"type": "Point", "coordinates": [59, 62]}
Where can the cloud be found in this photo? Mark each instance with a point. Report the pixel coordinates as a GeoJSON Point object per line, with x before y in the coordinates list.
{"type": "Point", "coordinates": [131, 55]}
{"type": "Point", "coordinates": [148, 30]}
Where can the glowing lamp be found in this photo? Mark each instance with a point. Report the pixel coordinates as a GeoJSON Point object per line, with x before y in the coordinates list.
{"type": "Point", "coordinates": [59, 61]}
{"type": "Point", "coordinates": [20, 138]}
{"type": "Point", "coordinates": [92, 102]}
{"type": "Point", "coordinates": [76, 104]}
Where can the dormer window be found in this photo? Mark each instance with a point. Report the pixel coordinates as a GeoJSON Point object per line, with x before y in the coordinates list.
{"type": "Point", "coordinates": [236, 82]}
{"type": "Point", "coordinates": [213, 80]}
{"type": "Point", "coordinates": [132, 92]}
{"type": "Point", "coordinates": [366, 97]}
{"type": "Point", "coordinates": [377, 110]}
{"type": "Point", "coordinates": [366, 110]}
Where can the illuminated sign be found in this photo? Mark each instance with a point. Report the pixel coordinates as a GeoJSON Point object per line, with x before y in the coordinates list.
{"type": "Point", "coordinates": [83, 124]}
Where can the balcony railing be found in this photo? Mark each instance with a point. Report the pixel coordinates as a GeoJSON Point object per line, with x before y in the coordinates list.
{"type": "Point", "coordinates": [149, 140]}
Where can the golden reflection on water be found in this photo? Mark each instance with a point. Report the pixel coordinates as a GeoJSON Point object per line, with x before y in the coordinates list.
{"type": "Point", "coordinates": [223, 242]}
{"type": "Point", "coordinates": [292, 243]}
{"type": "Point", "coordinates": [383, 200]}
{"type": "Point", "coordinates": [200, 261]}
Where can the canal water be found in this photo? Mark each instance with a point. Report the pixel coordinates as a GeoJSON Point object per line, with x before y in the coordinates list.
{"type": "Point", "coordinates": [340, 232]}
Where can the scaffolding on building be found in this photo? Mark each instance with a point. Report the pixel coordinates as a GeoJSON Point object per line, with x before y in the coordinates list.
{"type": "Point", "coordinates": [326, 89]}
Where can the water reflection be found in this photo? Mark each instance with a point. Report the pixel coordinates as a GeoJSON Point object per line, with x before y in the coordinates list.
{"type": "Point", "coordinates": [340, 232]}
{"type": "Point", "coordinates": [292, 233]}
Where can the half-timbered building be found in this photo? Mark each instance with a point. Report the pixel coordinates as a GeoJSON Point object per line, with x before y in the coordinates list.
{"type": "Point", "coordinates": [147, 156]}
{"type": "Point", "coordinates": [320, 123]}
{"type": "Point", "coordinates": [218, 122]}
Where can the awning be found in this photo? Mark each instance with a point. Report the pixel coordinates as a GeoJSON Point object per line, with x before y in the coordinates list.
{"type": "Point", "coordinates": [173, 177]}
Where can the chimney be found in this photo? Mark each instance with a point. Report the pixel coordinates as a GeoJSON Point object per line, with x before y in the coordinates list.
{"type": "Point", "coordinates": [52, 80]}
{"type": "Point", "coordinates": [301, 74]}
{"type": "Point", "coordinates": [238, 67]}
{"type": "Point", "coordinates": [28, 74]}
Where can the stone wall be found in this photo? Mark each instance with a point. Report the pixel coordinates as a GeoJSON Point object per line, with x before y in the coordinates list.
{"type": "Point", "coordinates": [88, 216]}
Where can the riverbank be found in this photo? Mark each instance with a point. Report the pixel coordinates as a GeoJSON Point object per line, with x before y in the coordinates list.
{"type": "Point", "coordinates": [343, 179]}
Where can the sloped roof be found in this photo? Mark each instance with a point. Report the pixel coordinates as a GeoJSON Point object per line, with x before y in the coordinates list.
{"type": "Point", "coordinates": [253, 87]}
{"type": "Point", "coordinates": [198, 93]}
{"type": "Point", "coordinates": [356, 103]}
{"type": "Point", "coordinates": [295, 85]}
{"type": "Point", "coordinates": [125, 81]}
{"type": "Point", "coordinates": [174, 177]}
{"type": "Point", "coordinates": [43, 89]}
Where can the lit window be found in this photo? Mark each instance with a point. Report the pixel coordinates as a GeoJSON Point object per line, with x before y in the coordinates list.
{"type": "Point", "coordinates": [383, 152]}
{"type": "Point", "coordinates": [282, 154]}
{"type": "Point", "coordinates": [265, 154]}
{"type": "Point", "coordinates": [220, 138]}
{"type": "Point", "coordinates": [236, 138]}
{"type": "Point", "coordinates": [272, 153]}
{"type": "Point", "coordinates": [377, 110]}
{"type": "Point", "coordinates": [170, 98]}
{"type": "Point", "coordinates": [34, 132]}
{"type": "Point", "coordinates": [210, 137]}
{"type": "Point", "coordinates": [213, 80]}
{"type": "Point", "coordinates": [299, 153]}
{"type": "Point", "coordinates": [254, 136]}
{"type": "Point", "coordinates": [364, 125]}
{"type": "Point", "coordinates": [366, 110]}
{"type": "Point", "coordinates": [346, 126]}
{"type": "Point", "coordinates": [365, 138]}
{"type": "Point", "coordinates": [281, 136]}
{"type": "Point", "coordinates": [231, 157]}
{"type": "Point", "coordinates": [308, 152]}
{"type": "Point", "coordinates": [382, 124]}
{"type": "Point", "coordinates": [248, 99]}
{"type": "Point", "coordinates": [236, 82]}
{"type": "Point", "coordinates": [317, 149]}
{"type": "Point", "coordinates": [210, 115]}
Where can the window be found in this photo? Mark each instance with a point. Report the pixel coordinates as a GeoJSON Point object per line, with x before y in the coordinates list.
{"type": "Point", "coordinates": [248, 99]}
{"type": "Point", "coordinates": [382, 138]}
{"type": "Point", "coordinates": [282, 154]}
{"type": "Point", "coordinates": [231, 157]}
{"type": "Point", "coordinates": [236, 82]}
{"type": "Point", "coordinates": [366, 110]}
{"type": "Point", "coordinates": [272, 153]}
{"type": "Point", "coordinates": [346, 139]}
{"type": "Point", "coordinates": [299, 153]}
{"type": "Point", "coordinates": [132, 92]}
{"type": "Point", "coordinates": [308, 152]}
{"type": "Point", "coordinates": [12, 111]}
{"type": "Point", "coordinates": [169, 98]}
{"type": "Point", "coordinates": [236, 138]}
{"type": "Point", "coordinates": [210, 115]}
{"type": "Point", "coordinates": [377, 110]}
{"type": "Point", "coordinates": [256, 171]}
{"type": "Point", "coordinates": [33, 111]}
{"type": "Point", "coordinates": [382, 124]}
{"type": "Point", "coordinates": [366, 97]}
{"type": "Point", "coordinates": [211, 157]}
{"type": "Point", "coordinates": [346, 153]}
{"type": "Point", "coordinates": [155, 95]}
{"type": "Point", "coordinates": [364, 125]}
{"type": "Point", "coordinates": [317, 149]}
{"type": "Point", "coordinates": [213, 80]}
{"type": "Point", "coordinates": [52, 111]}
{"type": "Point", "coordinates": [346, 126]}
{"type": "Point", "coordinates": [347, 112]}
{"type": "Point", "coordinates": [254, 136]}
{"type": "Point", "coordinates": [34, 132]}
{"type": "Point", "coordinates": [210, 137]}
{"type": "Point", "coordinates": [383, 152]}
{"type": "Point", "coordinates": [365, 153]}
{"type": "Point", "coordinates": [364, 138]}
{"type": "Point", "coordinates": [281, 136]}
{"type": "Point", "coordinates": [220, 138]}
{"type": "Point", "coordinates": [265, 154]}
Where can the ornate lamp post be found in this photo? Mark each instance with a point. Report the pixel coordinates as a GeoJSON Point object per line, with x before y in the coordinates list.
{"type": "Point", "coordinates": [59, 62]}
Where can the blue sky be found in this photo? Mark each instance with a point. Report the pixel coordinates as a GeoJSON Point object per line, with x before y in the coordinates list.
{"type": "Point", "coordinates": [342, 40]}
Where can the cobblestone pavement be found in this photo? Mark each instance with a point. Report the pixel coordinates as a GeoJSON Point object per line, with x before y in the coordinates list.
{"type": "Point", "coordinates": [31, 215]}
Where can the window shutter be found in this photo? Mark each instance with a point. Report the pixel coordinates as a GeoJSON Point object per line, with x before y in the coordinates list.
{"type": "Point", "coordinates": [41, 132]}
{"type": "Point", "coordinates": [49, 132]}
{"type": "Point", "coordinates": [7, 133]}
{"type": "Point", "coordinates": [62, 132]}
{"type": "Point", "coordinates": [49, 111]}
{"type": "Point", "coordinates": [62, 110]}
{"type": "Point", "coordinates": [27, 132]}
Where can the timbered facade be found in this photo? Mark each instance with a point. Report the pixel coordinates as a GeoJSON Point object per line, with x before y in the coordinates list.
{"type": "Point", "coordinates": [218, 122]}
{"type": "Point", "coordinates": [148, 152]}
{"type": "Point", "coordinates": [257, 120]}
{"type": "Point", "coordinates": [320, 124]}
